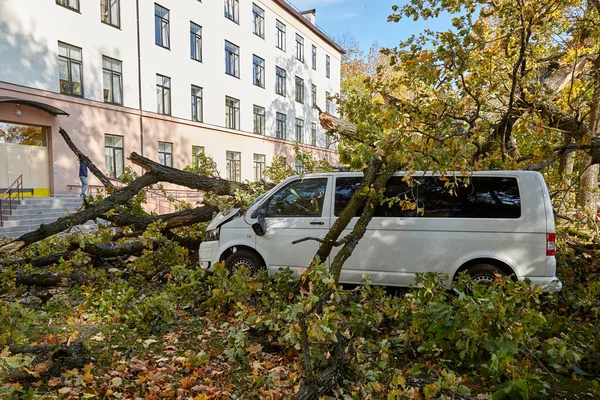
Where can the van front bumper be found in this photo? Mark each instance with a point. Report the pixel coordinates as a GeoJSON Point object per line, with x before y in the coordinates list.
{"type": "Point", "coordinates": [208, 254]}
{"type": "Point", "coordinates": [548, 284]}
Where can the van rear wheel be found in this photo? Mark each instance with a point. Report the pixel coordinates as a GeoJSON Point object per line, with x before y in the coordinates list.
{"type": "Point", "coordinates": [485, 274]}
{"type": "Point", "coordinates": [243, 258]}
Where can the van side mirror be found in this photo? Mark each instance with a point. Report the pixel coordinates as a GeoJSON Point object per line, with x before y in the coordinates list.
{"type": "Point", "coordinates": [260, 227]}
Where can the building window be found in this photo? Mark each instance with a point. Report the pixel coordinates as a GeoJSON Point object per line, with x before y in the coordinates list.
{"type": "Point", "coordinates": [72, 4]}
{"type": "Point", "coordinates": [70, 69]}
{"type": "Point", "coordinates": [327, 103]}
{"type": "Point", "coordinates": [113, 155]}
{"type": "Point", "coordinates": [259, 167]}
{"type": "Point", "coordinates": [259, 120]}
{"type": "Point", "coordinates": [299, 130]}
{"type": "Point", "coordinates": [113, 85]}
{"type": "Point", "coordinates": [195, 42]}
{"type": "Point", "coordinates": [280, 81]}
{"type": "Point", "coordinates": [161, 26]}
{"type": "Point", "coordinates": [299, 48]}
{"type": "Point", "coordinates": [165, 153]}
{"type": "Point", "coordinates": [232, 10]}
{"type": "Point", "coordinates": [258, 71]}
{"type": "Point", "coordinates": [327, 66]}
{"type": "Point", "coordinates": [313, 134]}
{"type": "Point", "coordinates": [197, 153]}
{"type": "Point", "coordinates": [232, 59]}
{"type": "Point", "coordinates": [314, 57]}
{"type": "Point", "coordinates": [163, 94]}
{"type": "Point", "coordinates": [197, 104]}
{"type": "Point", "coordinates": [299, 90]}
{"type": "Point", "coordinates": [313, 95]}
{"type": "Point", "coordinates": [232, 113]}
{"type": "Point", "coordinates": [280, 125]}
{"type": "Point", "coordinates": [299, 167]}
{"type": "Point", "coordinates": [258, 20]}
{"type": "Point", "coordinates": [234, 166]}
{"type": "Point", "coordinates": [280, 35]}
{"type": "Point", "coordinates": [110, 12]}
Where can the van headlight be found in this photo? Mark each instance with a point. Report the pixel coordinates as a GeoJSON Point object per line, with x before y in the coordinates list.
{"type": "Point", "coordinates": [212, 235]}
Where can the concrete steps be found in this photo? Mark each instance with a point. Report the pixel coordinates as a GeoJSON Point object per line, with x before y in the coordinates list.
{"type": "Point", "coordinates": [32, 212]}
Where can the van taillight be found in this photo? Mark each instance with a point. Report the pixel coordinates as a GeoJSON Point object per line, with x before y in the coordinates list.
{"type": "Point", "coordinates": [550, 244]}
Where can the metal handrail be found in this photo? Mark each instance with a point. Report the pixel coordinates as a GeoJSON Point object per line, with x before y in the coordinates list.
{"type": "Point", "coordinates": [8, 193]}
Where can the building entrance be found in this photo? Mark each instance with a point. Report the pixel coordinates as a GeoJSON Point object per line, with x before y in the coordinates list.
{"type": "Point", "coordinates": [24, 151]}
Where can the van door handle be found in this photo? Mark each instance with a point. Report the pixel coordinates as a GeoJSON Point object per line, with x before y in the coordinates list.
{"type": "Point", "coordinates": [317, 223]}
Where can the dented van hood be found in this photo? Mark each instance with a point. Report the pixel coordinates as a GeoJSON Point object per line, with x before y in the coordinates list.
{"type": "Point", "coordinates": [220, 219]}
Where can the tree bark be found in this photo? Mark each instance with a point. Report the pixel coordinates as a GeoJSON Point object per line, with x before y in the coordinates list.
{"type": "Point", "coordinates": [172, 221]}
{"type": "Point", "coordinates": [588, 184]}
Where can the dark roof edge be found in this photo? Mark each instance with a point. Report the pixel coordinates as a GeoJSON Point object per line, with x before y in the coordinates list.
{"type": "Point", "coordinates": [298, 15]}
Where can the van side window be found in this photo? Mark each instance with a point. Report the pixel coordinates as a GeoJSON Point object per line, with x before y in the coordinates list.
{"type": "Point", "coordinates": [301, 198]}
{"type": "Point", "coordinates": [485, 197]}
{"type": "Point", "coordinates": [396, 188]}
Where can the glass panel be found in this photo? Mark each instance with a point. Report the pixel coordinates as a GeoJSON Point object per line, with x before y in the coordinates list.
{"type": "Point", "coordinates": [75, 78]}
{"type": "Point", "coordinates": [115, 14]}
{"type": "Point", "coordinates": [63, 72]}
{"type": "Point", "coordinates": [119, 163]}
{"type": "Point", "coordinates": [63, 50]}
{"type": "Point", "coordinates": [159, 100]}
{"type": "Point", "coordinates": [22, 134]}
{"type": "Point", "coordinates": [75, 53]}
{"type": "Point", "coordinates": [107, 87]}
{"type": "Point", "coordinates": [117, 89]}
{"type": "Point", "coordinates": [167, 102]}
{"type": "Point", "coordinates": [106, 63]}
{"type": "Point", "coordinates": [298, 199]}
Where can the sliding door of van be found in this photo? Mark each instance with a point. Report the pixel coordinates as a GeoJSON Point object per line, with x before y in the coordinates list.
{"type": "Point", "coordinates": [386, 253]}
{"type": "Point", "coordinates": [298, 210]}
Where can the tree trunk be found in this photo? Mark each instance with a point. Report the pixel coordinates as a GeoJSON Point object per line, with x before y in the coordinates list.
{"type": "Point", "coordinates": [588, 184]}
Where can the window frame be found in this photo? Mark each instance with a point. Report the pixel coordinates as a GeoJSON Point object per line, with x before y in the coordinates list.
{"type": "Point", "coordinates": [280, 81]}
{"type": "Point", "coordinates": [168, 24]}
{"type": "Point", "coordinates": [260, 18]}
{"type": "Point", "coordinates": [196, 150]}
{"type": "Point", "coordinates": [194, 103]}
{"type": "Point", "coordinates": [68, 7]}
{"type": "Point", "coordinates": [113, 150]}
{"type": "Point", "coordinates": [258, 69]}
{"type": "Point", "coordinates": [281, 28]}
{"type": "Point", "coordinates": [165, 153]}
{"type": "Point", "coordinates": [280, 125]}
{"type": "Point", "coordinates": [328, 66]}
{"type": "Point", "coordinates": [314, 57]}
{"type": "Point", "coordinates": [259, 166]}
{"type": "Point", "coordinates": [299, 130]}
{"type": "Point", "coordinates": [299, 93]}
{"type": "Point", "coordinates": [258, 119]}
{"type": "Point", "coordinates": [313, 95]}
{"type": "Point", "coordinates": [195, 38]}
{"type": "Point", "coordinates": [235, 107]}
{"type": "Point", "coordinates": [162, 90]}
{"type": "Point", "coordinates": [299, 48]}
{"type": "Point", "coordinates": [313, 134]}
{"type": "Point", "coordinates": [328, 103]}
{"type": "Point", "coordinates": [235, 174]}
{"type": "Point", "coordinates": [113, 73]}
{"type": "Point", "coordinates": [236, 60]}
{"type": "Point", "coordinates": [69, 60]}
{"type": "Point", "coordinates": [235, 16]}
{"type": "Point", "coordinates": [110, 16]}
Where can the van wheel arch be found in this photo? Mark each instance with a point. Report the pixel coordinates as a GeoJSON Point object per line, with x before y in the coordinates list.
{"type": "Point", "coordinates": [233, 249]}
{"type": "Point", "coordinates": [502, 266]}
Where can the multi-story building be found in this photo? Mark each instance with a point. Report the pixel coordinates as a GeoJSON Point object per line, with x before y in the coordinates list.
{"type": "Point", "coordinates": [235, 80]}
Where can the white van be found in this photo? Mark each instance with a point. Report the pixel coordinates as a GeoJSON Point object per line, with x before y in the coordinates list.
{"type": "Point", "coordinates": [502, 222]}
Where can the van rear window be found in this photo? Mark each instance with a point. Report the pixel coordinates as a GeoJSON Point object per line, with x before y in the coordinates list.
{"type": "Point", "coordinates": [485, 197]}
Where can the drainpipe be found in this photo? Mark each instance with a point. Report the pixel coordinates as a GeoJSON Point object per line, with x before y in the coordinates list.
{"type": "Point", "coordinates": [137, 11]}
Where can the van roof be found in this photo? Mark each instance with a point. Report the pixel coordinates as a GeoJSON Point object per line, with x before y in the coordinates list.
{"type": "Point", "coordinates": [430, 173]}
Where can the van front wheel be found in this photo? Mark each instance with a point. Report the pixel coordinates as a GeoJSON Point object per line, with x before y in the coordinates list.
{"type": "Point", "coordinates": [243, 258]}
{"type": "Point", "coordinates": [485, 274]}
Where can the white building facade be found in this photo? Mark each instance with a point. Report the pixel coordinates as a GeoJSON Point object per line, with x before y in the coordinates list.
{"type": "Point", "coordinates": [238, 80]}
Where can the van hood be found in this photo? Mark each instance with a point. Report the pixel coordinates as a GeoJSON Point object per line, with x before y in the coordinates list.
{"type": "Point", "coordinates": [220, 219]}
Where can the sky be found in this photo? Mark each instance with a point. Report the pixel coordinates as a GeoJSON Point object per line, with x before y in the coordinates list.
{"type": "Point", "coordinates": [366, 20]}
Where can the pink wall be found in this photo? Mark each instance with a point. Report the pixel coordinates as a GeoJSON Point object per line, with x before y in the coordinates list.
{"type": "Point", "coordinates": [89, 121]}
